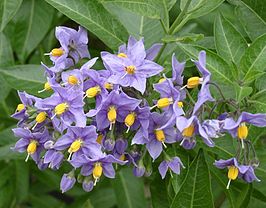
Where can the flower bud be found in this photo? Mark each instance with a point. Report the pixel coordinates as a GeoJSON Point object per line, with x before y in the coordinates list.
{"type": "Point", "coordinates": [109, 144]}
{"type": "Point", "coordinates": [67, 182]}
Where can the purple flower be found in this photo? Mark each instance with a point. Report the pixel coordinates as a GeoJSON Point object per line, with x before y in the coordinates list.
{"type": "Point", "coordinates": [177, 71]}
{"type": "Point", "coordinates": [66, 104]}
{"type": "Point", "coordinates": [120, 147]}
{"type": "Point", "coordinates": [246, 172]}
{"type": "Point", "coordinates": [137, 118]}
{"type": "Point", "coordinates": [108, 144]}
{"type": "Point", "coordinates": [131, 69]}
{"type": "Point", "coordinates": [212, 128]}
{"type": "Point", "coordinates": [27, 101]}
{"type": "Point", "coordinates": [204, 93]}
{"type": "Point", "coordinates": [157, 136]}
{"type": "Point", "coordinates": [151, 53]}
{"type": "Point", "coordinates": [95, 86]}
{"type": "Point", "coordinates": [174, 164]}
{"type": "Point", "coordinates": [96, 166]}
{"type": "Point", "coordinates": [30, 142]}
{"type": "Point", "coordinates": [67, 182]}
{"type": "Point", "coordinates": [79, 141]}
{"type": "Point", "coordinates": [255, 119]}
{"type": "Point", "coordinates": [111, 109]}
{"type": "Point", "coordinates": [87, 184]}
{"type": "Point", "coordinates": [189, 128]}
{"type": "Point", "coordinates": [53, 158]}
{"type": "Point", "coordinates": [73, 79]}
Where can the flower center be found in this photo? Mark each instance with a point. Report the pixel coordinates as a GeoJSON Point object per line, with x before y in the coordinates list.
{"type": "Point", "coordinates": [232, 172]}
{"type": "Point", "coordinates": [242, 131]}
{"type": "Point", "coordinates": [111, 115]}
{"type": "Point", "coordinates": [99, 139]}
{"type": "Point", "coordinates": [20, 107]}
{"type": "Point", "coordinates": [93, 91]}
{"type": "Point", "coordinates": [164, 102]}
{"type": "Point", "coordinates": [159, 134]}
{"type": "Point", "coordinates": [73, 80]}
{"type": "Point", "coordinates": [57, 52]}
{"type": "Point", "coordinates": [180, 104]}
{"type": "Point", "coordinates": [75, 146]}
{"type": "Point", "coordinates": [97, 171]}
{"type": "Point", "coordinates": [108, 86]}
{"type": "Point", "coordinates": [61, 108]}
{"type": "Point", "coordinates": [161, 80]}
{"type": "Point", "coordinates": [122, 55]}
{"type": "Point", "coordinates": [194, 82]}
{"type": "Point", "coordinates": [47, 86]}
{"type": "Point", "coordinates": [130, 119]}
{"type": "Point", "coordinates": [32, 147]}
{"type": "Point", "coordinates": [122, 157]}
{"type": "Point", "coordinates": [189, 131]}
{"type": "Point", "coordinates": [130, 69]}
{"type": "Point", "coordinates": [41, 117]}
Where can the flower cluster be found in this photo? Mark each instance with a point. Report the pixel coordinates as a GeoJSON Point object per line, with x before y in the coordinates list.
{"type": "Point", "coordinates": [94, 119]}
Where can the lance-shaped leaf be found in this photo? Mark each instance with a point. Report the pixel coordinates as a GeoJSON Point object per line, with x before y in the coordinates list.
{"type": "Point", "coordinates": [129, 190]}
{"type": "Point", "coordinates": [229, 42]}
{"type": "Point", "coordinates": [93, 16]}
{"type": "Point", "coordinates": [253, 62]}
{"type": "Point", "coordinates": [8, 9]}
{"type": "Point", "coordinates": [196, 189]}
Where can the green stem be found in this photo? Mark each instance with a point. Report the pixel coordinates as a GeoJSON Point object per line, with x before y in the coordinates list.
{"type": "Point", "coordinates": [179, 18]}
{"type": "Point", "coordinates": [190, 97]}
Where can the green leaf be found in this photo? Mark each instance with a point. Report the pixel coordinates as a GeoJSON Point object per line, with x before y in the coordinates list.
{"type": "Point", "coordinates": [32, 22]}
{"type": "Point", "coordinates": [6, 59]}
{"type": "Point", "coordinates": [242, 92]}
{"type": "Point", "coordinates": [8, 9]}
{"type": "Point", "coordinates": [252, 23]}
{"type": "Point", "coordinates": [24, 77]}
{"type": "Point", "coordinates": [258, 6]}
{"type": "Point", "coordinates": [253, 61]}
{"type": "Point", "coordinates": [158, 188]}
{"type": "Point", "coordinates": [150, 29]}
{"type": "Point", "coordinates": [258, 101]}
{"type": "Point", "coordinates": [196, 188]}
{"type": "Point", "coordinates": [229, 42]}
{"type": "Point", "coordinates": [129, 189]}
{"type": "Point", "coordinates": [184, 39]}
{"type": "Point", "coordinates": [200, 8]}
{"type": "Point", "coordinates": [22, 180]}
{"type": "Point", "coordinates": [93, 16]}
{"type": "Point", "coordinates": [149, 8]}
{"type": "Point", "coordinates": [6, 54]}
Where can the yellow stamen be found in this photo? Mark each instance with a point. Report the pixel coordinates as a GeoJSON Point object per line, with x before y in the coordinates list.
{"type": "Point", "coordinates": [159, 134]}
{"type": "Point", "coordinates": [73, 80]}
{"type": "Point", "coordinates": [122, 157]}
{"type": "Point", "coordinates": [130, 119]}
{"type": "Point", "coordinates": [75, 146]}
{"type": "Point", "coordinates": [111, 115]}
{"type": "Point", "coordinates": [97, 172]}
{"type": "Point", "coordinates": [57, 52]}
{"type": "Point", "coordinates": [242, 131]}
{"type": "Point", "coordinates": [130, 69]}
{"type": "Point", "coordinates": [232, 174]}
{"type": "Point", "coordinates": [122, 55]}
{"type": "Point", "coordinates": [108, 86]}
{"type": "Point", "coordinates": [161, 80]}
{"type": "Point", "coordinates": [194, 82]}
{"type": "Point", "coordinates": [99, 139]}
{"type": "Point", "coordinates": [93, 91]}
{"type": "Point", "coordinates": [20, 107]}
{"type": "Point", "coordinates": [180, 104]}
{"type": "Point", "coordinates": [31, 149]}
{"type": "Point", "coordinates": [164, 102]}
{"type": "Point", "coordinates": [41, 117]}
{"type": "Point", "coordinates": [189, 131]}
{"type": "Point", "coordinates": [46, 87]}
{"type": "Point", "coordinates": [61, 108]}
